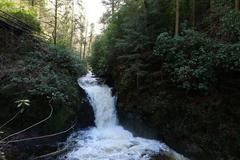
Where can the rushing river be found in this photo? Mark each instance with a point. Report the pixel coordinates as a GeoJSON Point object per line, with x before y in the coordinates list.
{"type": "Point", "coordinates": [108, 140]}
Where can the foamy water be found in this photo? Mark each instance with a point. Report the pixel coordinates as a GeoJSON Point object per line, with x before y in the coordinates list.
{"type": "Point", "coordinates": [108, 140]}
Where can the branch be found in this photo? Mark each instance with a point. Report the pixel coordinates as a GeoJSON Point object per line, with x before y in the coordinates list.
{"type": "Point", "coordinates": [10, 119]}
{"type": "Point", "coordinates": [40, 122]}
{"type": "Point", "coordinates": [52, 153]}
{"type": "Point", "coordinates": [42, 137]}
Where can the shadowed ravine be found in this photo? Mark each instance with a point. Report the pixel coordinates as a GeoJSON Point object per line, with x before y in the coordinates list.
{"type": "Point", "coordinates": [108, 140]}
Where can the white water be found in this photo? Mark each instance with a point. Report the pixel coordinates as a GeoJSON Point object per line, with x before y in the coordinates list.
{"type": "Point", "coordinates": [108, 140]}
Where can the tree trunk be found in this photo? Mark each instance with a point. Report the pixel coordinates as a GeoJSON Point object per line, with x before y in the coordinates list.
{"type": "Point", "coordinates": [72, 25]}
{"type": "Point", "coordinates": [85, 42]}
{"type": "Point", "coordinates": [113, 7]}
{"type": "Point", "coordinates": [237, 5]}
{"type": "Point", "coordinates": [194, 13]}
{"type": "Point", "coordinates": [177, 18]}
{"type": "Point", "coordinates": [91, 37]}
{"type": "Point", "coordinates": [55, 22]}
{"type": "Point", "coordinates": [33, 3]}
{"type": "Point", "coordinates": [84, 49]}
{"type": "Point", "coordinates": [81, 43]}
{"type": "Point", "coordinates": [211, 6]}
{"type": "Point", "coordinates": [81, 48]}
{"type": "Point", "coordinates": [89, 45]}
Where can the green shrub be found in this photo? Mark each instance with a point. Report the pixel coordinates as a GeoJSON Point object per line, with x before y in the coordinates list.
{"type": "Point", "coordinates": [191, 61]}
{"type": "Point", "coordinates": [228, 57]}
{"type": "Point", "coordinates": [48, 74]}
{"type": "Point", "coordinates": [39, 75]}
{"type": "Point", "coordinates": [187, 60]}
{"type": "Point", "coordinates": [230, 26]}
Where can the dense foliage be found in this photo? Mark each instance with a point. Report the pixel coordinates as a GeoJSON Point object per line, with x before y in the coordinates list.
{"type": "Point", "coordinates": [45, 74]}
{"type": "Point", "coordinates": [40, 72]}
{"type": "Point", "coordinates": [193, 61]}
{"type": "Point", "coordinates": [37, 71]}
{"type": "Point", "coordinates": [183, 87]}
{"type": "Point", "coordinates": [229, 26]}
{"type": "Point", "coordinates": [38, 82]}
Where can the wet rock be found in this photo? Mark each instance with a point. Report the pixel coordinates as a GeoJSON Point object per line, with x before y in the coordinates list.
{"type": "Point", "coordinates": [85, 114]}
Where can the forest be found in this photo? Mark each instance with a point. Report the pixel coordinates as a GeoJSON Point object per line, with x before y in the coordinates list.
{"type": "Point", "coordinates": [173, 67]}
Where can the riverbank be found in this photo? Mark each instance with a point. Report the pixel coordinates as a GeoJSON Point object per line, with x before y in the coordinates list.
{"type": "Point", "coordinates": [39, 93]}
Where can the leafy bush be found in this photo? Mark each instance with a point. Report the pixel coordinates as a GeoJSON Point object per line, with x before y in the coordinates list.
{"type": "Point", "coordinates": [192, 60]}
{"type": "Point", "coordinates": [230, 26]}
{"type": "Point", "coordinates": [47, 74]}
{"type": "Point", "coordinates": [228, 57]}
{"type": "Point", "coordinates": [43, 72]}
{"type": "Point", "coordinates": [187, 60]}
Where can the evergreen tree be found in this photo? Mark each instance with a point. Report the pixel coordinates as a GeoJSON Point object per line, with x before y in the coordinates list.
{"type": "Point", "coordinates": [112, 6]}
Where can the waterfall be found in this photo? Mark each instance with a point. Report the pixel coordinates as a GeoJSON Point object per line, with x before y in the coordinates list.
{"type": "Point", "coordinates": [108, 140]}
{"type": "Point", "coordinates": [100, 97]}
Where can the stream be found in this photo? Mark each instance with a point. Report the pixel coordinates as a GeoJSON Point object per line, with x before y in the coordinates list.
{"type": "Point", "coordinates": [109, 140]}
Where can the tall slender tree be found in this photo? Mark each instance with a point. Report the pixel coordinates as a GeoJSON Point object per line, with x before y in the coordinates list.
{"type": "Point", "coordinates": [32, 2]}
{"type": "Point", "coordinates": [177, 17]}
{"type": "Point", "coordinates": [112, 6]}
{"type": "Point", "coordinates": [81, 35]}
{"type": "Point", "coordinates": [193, 13]}
{"type": "Point", "coordinates": [85, 41]}
{"type": "Point", "coordinates": [55, 22]}
{"type": "Point", "coordinates": [110, 3]}
{"type": "Point", "coordinates": [80, 26]}
{"type": "Point", "coordinates": [72, 24]}
{"type": "Point", "coordinates": [91, 37]}
{"type": "Point", "coordinates": [237, 5]}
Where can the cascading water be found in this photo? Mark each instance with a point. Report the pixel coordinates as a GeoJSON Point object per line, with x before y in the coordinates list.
{"type": "Point", "coordinates": [108, 140]}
